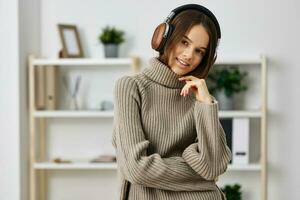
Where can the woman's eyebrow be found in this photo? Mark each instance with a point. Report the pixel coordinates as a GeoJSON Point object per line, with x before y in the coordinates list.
{"type": "Point", "coordinates": [185, 37]}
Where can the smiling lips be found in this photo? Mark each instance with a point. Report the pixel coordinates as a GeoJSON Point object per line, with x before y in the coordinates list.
{"type": "Point", "coordinates": [181, 63]}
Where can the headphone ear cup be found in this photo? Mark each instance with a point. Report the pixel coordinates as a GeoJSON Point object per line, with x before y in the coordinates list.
{"type": "Point", "coordinates": [168, 34]}
{"type": "Point", "coordinates": [158, 36]}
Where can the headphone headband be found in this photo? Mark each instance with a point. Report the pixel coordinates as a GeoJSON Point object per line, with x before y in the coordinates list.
{"type": "Point", "coordinates": [197, 7]}
{"type": "Point", "coordinates": [165, 29]}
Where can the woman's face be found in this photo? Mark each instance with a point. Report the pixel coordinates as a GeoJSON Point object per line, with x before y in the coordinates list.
{"type": "Point", "coordinates": [188, 53]}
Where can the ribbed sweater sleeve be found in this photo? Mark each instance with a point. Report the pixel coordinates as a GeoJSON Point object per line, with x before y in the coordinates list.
{"type": "Point", "coordinates": [137, 167]}
{"type": "Point", "coordinates": [210, 156]}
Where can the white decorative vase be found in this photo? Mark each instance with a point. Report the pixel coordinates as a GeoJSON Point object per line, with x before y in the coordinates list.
{"type": "Point", "coordinates": [74, 103]}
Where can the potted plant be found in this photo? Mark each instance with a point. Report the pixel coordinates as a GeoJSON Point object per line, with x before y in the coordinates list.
{"type": "Point", "coordinates": [111, 37]}
{"type": "Point", "coordinates": [232, 192]}
{"type": "Point", "coordinates": [224, 83]}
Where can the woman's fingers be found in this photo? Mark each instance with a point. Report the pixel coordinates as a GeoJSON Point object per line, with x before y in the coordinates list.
{"type": "Point", "coordinates": [188, 78]}
{"type": "Point", "coordinates": [185, 90]}
{"type": "Point", "coordinates": [198, 87]}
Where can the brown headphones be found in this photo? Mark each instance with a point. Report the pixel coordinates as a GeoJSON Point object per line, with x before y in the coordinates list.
{"type": "Point", "coordinates": [163, 31]}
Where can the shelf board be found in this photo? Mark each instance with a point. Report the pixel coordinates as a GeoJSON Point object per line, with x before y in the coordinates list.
{"type": "Point", "coordinates": [79, 165]}
{"type": "Point", "coordinates": [73, 114]}
{"type": "Point", "coordinates": [242, 60]}
{"type": "Point", "coordinates": [82, 61]}
{"type": "Point", "coordinates": [240, 113]}
{"type": "Point", "coordinates": [222, 60]}
{"type": "Point", "coordinates": [110, 114]}
{"type": "Point", "coordinates": [113, 166]}
{"type": "Point", "coordinates": [244, 167]}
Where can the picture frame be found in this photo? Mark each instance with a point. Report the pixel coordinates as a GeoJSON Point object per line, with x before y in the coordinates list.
{"type": "Point", "coordinates": [71, 45]}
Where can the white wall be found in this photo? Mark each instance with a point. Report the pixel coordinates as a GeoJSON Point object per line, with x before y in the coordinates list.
{"type": "Point", "coordinates": [248, 27]}
{"type": "Point", "coordinates": [19, 37]}
{"type": "Point", "coordinates": [9, 102]}
{"type": "Point", "coordinates": [29, 41]}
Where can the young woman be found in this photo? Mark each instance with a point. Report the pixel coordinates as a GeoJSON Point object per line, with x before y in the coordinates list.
{"type": "Point", "coordinates": [168, 138]}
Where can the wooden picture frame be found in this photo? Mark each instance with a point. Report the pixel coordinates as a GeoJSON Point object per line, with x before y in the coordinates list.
{"type": "Point", "coordinates": [71, 45]}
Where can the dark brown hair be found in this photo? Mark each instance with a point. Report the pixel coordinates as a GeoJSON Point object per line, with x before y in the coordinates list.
{"type": "Point", "coordinates": [182, 23]}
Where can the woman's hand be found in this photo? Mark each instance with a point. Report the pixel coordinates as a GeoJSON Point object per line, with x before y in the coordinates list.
{"type": "Point", "coordinates": [198, 86]}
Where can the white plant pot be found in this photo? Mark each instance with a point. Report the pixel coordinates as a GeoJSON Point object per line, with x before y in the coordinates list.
{"type": "Point", "coordinates": [111, 50]}
{"type": "Point", "coordinates": [225, 103]}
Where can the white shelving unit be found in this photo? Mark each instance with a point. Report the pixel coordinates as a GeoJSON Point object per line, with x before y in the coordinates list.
{"type": "Point", "coordinates": [40, 117]}
{"type": "Point", "coordinates": [261, 114]}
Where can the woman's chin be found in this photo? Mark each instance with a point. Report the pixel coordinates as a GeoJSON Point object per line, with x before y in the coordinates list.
{"type": "Point", "coordinates": [179, 72]}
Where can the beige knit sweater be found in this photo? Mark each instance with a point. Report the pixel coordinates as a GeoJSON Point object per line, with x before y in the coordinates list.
{"type": "Point", "coordinates": [167, 146]}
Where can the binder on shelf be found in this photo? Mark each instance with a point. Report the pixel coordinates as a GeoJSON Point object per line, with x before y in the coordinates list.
{"type": "Point", "coordinates": [46, 88]}
{"type": "Point", "coordinates": [227, 127]}
{"type": "Point", "coordinates": [51, 87]}
{"type": "Point", "coordinates": [240, 140]}
{"type": "Point", "coordinates": [40, 88]}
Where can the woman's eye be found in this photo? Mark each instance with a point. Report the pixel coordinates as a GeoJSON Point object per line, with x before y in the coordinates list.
{"type": "Point", "coordinates": [184, 42]}
{"type": "Point", "coordinates": [200, 52]}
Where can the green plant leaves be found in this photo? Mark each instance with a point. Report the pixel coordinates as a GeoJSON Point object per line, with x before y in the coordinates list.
{"type": "Point", "coordinates": [232, 192]}
{"type": "Point", "coordinates": [228, 79]}
{"type": "Point", "coordinates": [111, 35]}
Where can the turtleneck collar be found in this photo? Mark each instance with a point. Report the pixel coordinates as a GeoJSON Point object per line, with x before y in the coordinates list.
{"type": "Point", "coordinates": [162, 74]}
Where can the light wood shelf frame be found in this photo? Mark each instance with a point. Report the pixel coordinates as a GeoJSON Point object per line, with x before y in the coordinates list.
{"type": "Point", "coordinates": [39, 167]}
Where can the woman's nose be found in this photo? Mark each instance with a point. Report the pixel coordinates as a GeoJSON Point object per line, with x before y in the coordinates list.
{"type": "Point", "coordinates": [188, 53]}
